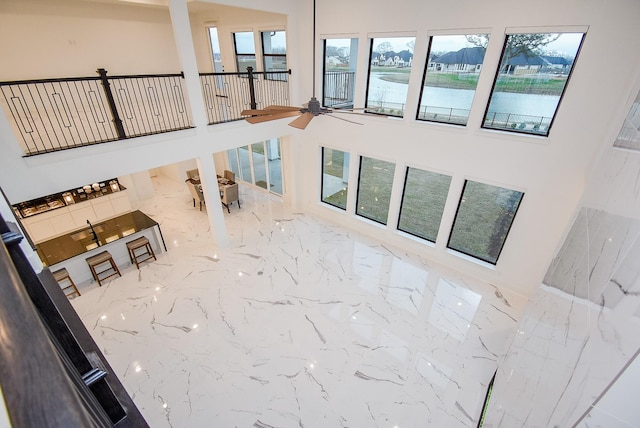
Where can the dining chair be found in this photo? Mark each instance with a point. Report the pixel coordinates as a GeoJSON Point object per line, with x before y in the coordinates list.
{"type": "Point", "coordinates": [196, 193]}
{"type": "Point", "coordinates": [193, 174]}
{"type": "Point", "coordinates": [230, 175]}
{"type": "Point", "coordinates": [230, 193]}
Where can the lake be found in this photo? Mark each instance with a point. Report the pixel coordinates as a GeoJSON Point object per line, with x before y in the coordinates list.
{"type": "Point", "coordinates": [502, 102]}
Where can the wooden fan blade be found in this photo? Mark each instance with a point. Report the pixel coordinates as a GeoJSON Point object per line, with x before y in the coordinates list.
{"type": "Point", "coordinates": [274, 116]}
{"type": "Point", "coordinates": [302, 121]}
{"type": "Point", "coordinates": [341, 118]}
{"type": "Point", "coordinates": [269, 110]}
{"type": "Point", "coordinates": [282, 108]}
{"type": "Point", "coordinates": [256, 112]}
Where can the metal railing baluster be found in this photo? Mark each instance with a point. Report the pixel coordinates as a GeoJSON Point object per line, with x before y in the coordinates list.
{"type": "Point", "coordinates": [56, 114]}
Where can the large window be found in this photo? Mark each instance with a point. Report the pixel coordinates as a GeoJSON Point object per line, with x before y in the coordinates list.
{"type": "Point", "coordinates": [335, 177]}
{"type": "Point", "coordinates": [274, 50]}
{"type": "Point", "coordinates": [530, 81]}
{"type": "Point", "coordinates": [390, 61]}
{"type": "Point", "coordinates": [259, 164]}
{"type": "Point", "coordinates": [340, 57]}
{"type": "Point", "coordinates": [215, 50]}
{"type": "Point", "coordinates": [423, 199]}
{"type": "Point", "coordinates": [374, 189]}
{"type": "Point", "coordinates": [484, 217]}
{"type": "Point", "coordinates": [450, 77]}
{"type": "Point", "coordinates": [245, 51]}
{"type": "Point", "coordinates": [274, 164]}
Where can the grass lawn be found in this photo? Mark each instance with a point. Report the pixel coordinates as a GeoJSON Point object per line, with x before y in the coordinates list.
{"type": "Point", "coordinates": [424, 198]}
{"type": "Point", "coordinates": [483, 220]}
{"type": "Point", "coordinates": [374, 189]}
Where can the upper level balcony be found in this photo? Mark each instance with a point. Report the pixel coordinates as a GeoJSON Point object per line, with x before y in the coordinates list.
{"type": "Point", "coordinates": [58, 114]}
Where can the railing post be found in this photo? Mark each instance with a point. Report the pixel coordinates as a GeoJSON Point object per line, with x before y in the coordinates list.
{"type": "Point", "coordinates": [112, 104]}
{"type": "Point", "coordinates": [252, 91]}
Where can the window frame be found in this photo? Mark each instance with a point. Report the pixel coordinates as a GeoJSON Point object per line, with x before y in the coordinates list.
{"type": "Point", "coordinates": [322, 148]}
{"type": "Point", "coordinates": [266, 55]}
{"type": "Point", "coordinates": [404, 189]}
{"type": "Point", "coordinates": [564, 89]}
{"type": "Point", "coordinates": [367, 109]}
{"type": "Point", "coordinates": [238, 167]}
{"type": "Point", "coordinates": [349, 103]}
{"type": "Point", "coordinates": [426, 70]}
{"type": "Point", "coordinates": [236, 53]}
{"type": "Point", "coordinates": [358, 188]}
{"type": "Point", "coordinates": [455, 217]}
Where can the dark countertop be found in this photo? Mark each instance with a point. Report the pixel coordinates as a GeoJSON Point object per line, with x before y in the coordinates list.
{"type": "Point", "coordinates": [80, 241]}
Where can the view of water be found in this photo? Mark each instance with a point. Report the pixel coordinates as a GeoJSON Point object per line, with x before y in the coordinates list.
{"type": "Point", "coordinates": [502, 102]}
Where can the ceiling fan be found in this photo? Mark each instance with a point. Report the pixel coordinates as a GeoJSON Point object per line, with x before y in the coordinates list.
{"type": "Point", "coordinates": [305, 113]}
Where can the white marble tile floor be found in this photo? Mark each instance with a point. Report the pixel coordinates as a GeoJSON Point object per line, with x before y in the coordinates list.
{"type": "Point", "coordinates": [298, 323]}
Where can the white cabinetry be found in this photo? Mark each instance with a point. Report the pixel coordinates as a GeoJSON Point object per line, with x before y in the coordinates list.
{"type": "Point", "coordinates": [102, 208]}
{"type": "Point", "coordinates": [64, 220]}
{"type": "Point", "coordinates": [120, 202]}
{"type": "Point", "coordinates": [80, 213]}
{"type": "Point", "coordinates": [40, 229]}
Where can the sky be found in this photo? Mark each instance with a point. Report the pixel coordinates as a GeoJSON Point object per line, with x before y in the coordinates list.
{"type": "Point", "coordinates": [567, 44]}
{"type": "Point", "coordinates": [398, 43]}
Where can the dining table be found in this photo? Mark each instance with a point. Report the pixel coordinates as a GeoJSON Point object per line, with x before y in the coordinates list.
{"type": "Point", "coordinates": [222, 183]}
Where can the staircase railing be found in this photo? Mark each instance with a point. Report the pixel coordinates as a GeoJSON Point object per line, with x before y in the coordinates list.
{"type": "Point", "coordinates": [52, 374]}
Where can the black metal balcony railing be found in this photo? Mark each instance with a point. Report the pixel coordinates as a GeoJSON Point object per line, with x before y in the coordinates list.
{"type": "Point", "coordinates": [339, 87]}
{"type": "Point", "coordinates": [56, 114]}
{"type": "Point", "coordinates": [150, 104]}
{"type": "Point", "coordinates": [443, 114]}
{"type": "Point", "coordinates": [227, 94]}
{"type": "Point", "coordinates": [517, 122]}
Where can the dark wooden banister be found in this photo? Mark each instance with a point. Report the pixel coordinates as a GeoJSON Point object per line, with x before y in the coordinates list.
{"type": "Point", "coordinates": [34, 380]}
{"type": "Point", "coordinates": [52, 373]}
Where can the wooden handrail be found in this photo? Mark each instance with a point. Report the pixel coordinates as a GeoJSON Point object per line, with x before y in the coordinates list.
{"type": "Point", "coordinates": [52, 373]}
{"type": "Point", "coordinates": [37, 390]}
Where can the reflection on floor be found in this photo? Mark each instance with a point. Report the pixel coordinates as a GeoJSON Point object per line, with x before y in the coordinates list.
{"type": "Point", "coordinates": [297, 323]}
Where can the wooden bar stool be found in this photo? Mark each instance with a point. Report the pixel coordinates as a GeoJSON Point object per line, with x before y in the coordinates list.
{"type": "Point", "coordinates": [61, 276]}
{"type": "Point", "coordinates": [99, 260]}
{"type": "Point", "coordinates": [136, 244]}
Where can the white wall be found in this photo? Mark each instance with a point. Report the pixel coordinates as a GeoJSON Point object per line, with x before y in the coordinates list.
{"type": "Point", "coordinates": [228, 20]}
{"type": "Point", "coordinates": [72, 38]}
{"type": "Point", "coordinates": [551, 171]}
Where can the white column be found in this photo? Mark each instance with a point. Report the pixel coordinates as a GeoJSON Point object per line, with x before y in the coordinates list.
{"type": "Point", "coordinates": [209, 180]}
{"type": "Point", "coordinates": [187, 55]}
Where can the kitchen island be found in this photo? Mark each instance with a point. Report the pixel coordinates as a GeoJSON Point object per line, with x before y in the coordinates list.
{"type": "Point", "coordinates": [72, 249]}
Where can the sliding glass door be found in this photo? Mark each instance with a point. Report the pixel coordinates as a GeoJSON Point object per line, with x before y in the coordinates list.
{"type": "Point", "coordinates": [259, 164]}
